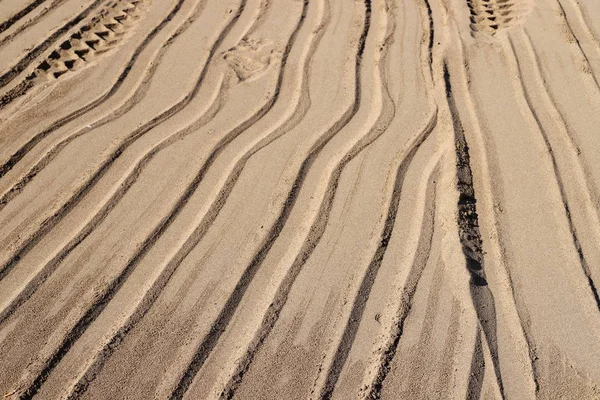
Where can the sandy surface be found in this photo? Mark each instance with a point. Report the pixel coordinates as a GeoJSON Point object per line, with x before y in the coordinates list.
{"type": "Point", "coordinates": [286, 199]}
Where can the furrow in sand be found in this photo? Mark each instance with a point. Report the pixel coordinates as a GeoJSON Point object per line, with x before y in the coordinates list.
{"type": "Point", "coordinates": [372, 387]}
{"type": "Point", "coordinates": [379, 365]}
{"type": "Point", "coordinates": [227, 312]}
{"type": "Point", "coordinates": [326, 383]}
{"type": "Point", "coordinates": [362, 294]}
{"type": "Point", "coordinates": [426, 357]}
{"type": "Point", "coordinates": [584, 20]}
{"type": "Point", "coordinates": [22, 64]}
{"type": "Point", "coordinates": [278, 131]}
{"type": "Point", "coordinates": [92, 312]}
{"type": "Point", "coordinates": [150, 295]}
{"type": "Point", "coordinates": [475, 386]}
{"type": "Point", "coordinates": [354, 318]}
{"type": "Point", "coordinates": [137, 96]}
{"type": "Point", "coordinates": [177, 208]}
{"type": "Point", "coordinates": [218, 327]}
{"type": "Point", "coordinates": [516, 310]}
{"type": "Point", "coordinates": [181, 260]}
{"type": "Point", "coordinates": [82, 190]}
{"type": "Point", "coordinates": [95, 220]}
{"type": "Point", "coordinates": [430, 35]}
{"type": "Point", "coordinates": [30, 22]}
{"type": "Point", "coordinates": [156, 286]}
{"type": "Point", "coordinates": [134, 171]}
{"type": "Point", "coordinates": [587, 31]}
{"type": "Point", "coordinates": [470, 236]}
{"type": "Point", "coordinates": [61, 253]}
{"type": "Point", "coordinates": [569, 142]}
{"type": "Point", "coordinates": [239, 323]}
{"type": "Point", "coordinates": [20, 14]}
{"type": "Point", "coordinates": [314, 236]}
{"type": "Point", "coordinates": [24, 149]}
{"type": "Point", "coordinates": [558, 175]}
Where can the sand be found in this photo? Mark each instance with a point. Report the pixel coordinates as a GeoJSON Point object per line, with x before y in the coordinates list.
{"type": "Point", "coordinates": [286, 199]}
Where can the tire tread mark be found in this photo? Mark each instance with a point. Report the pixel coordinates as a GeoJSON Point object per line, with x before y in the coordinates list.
{"type": "Point", "coordinates": [470, 236]}
{"type": "Point", "coordinates": [23, 150]}
{"type": "Point", "coordinates": [22, 64]}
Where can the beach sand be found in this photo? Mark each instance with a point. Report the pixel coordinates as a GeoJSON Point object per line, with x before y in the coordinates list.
{"type": "Point", "coordinates": [287, 199]}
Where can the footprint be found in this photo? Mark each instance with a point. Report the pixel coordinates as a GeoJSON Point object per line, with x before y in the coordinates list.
{"type": "Point", "coordinates": [250, 57]}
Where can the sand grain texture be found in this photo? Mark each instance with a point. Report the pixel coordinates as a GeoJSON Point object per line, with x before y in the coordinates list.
{"type": "Point", "coordinates": [299, 199]}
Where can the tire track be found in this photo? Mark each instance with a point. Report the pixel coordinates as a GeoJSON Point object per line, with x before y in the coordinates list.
{"type": "Point", "coordinates": [22, 64]}
{"type": "Point", "coordinates": [91, 313]}
{"type": "Point", "coordinates": [470, 236]}
{"type": "Point", "coordinates": [115, 114]}
{"type": "Point", "coordinates": [556, 170]}
{"type": "Point", "coordinates": [150, 296]}
{"type": "Point", "coordinates": [77, 196]}
{"type": "Point", "coordinates": [101, 34]}
{"type": "Point", "coordinates": [23, 150]}
{"type": "Point", "coordinates": [517, 308]}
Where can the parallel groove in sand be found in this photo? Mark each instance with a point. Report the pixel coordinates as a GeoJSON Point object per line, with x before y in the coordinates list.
{"type": "Point", "coordinates": [47, 269]}
{"type": "Point", "coordinates": [101, 301]}
{"type": "Point", "coordinates": [243, 100]}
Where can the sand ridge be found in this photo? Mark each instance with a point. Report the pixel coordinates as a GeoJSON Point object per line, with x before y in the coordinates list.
{"type": "Point", "coordinates": [267, 199]}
